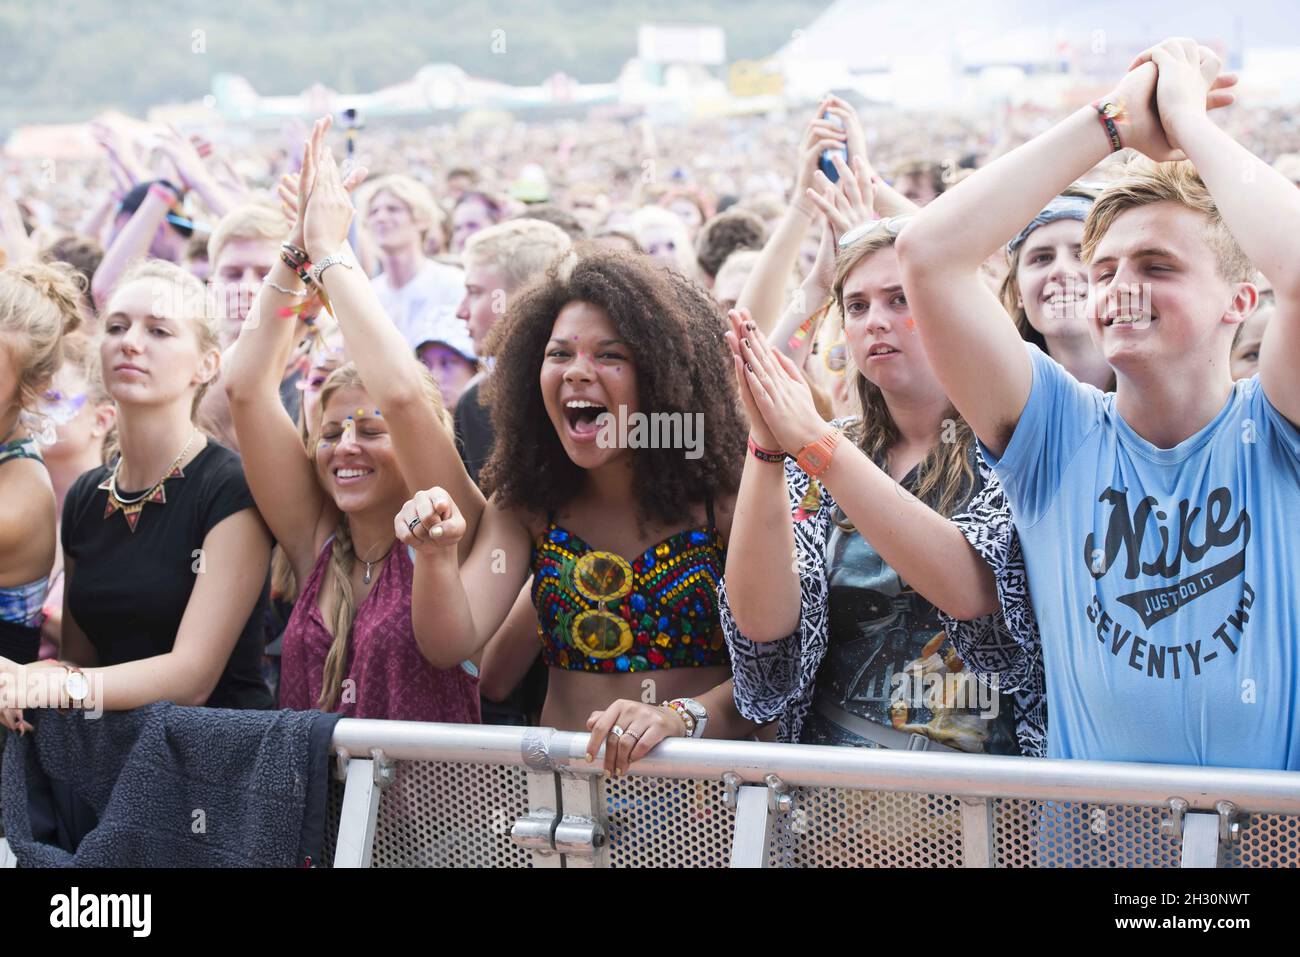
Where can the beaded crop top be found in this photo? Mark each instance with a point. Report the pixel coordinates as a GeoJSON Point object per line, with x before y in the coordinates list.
{"type": "Point", "coordinates": [598, 612]}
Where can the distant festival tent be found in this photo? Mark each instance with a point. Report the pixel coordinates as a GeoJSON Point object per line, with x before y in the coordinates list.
{"type": "Point", "coordinates": [868, 36]}
{"type": "Point", "coordinates": [858, 42]}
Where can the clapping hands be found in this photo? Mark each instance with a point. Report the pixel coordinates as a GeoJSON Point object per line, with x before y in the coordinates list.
{"type": "Point", "coordinates": [323, 210]}
{"type": "Point", "coordinates": [782, 413]}
{"type": "Point", "coordinates": [1175, 80]}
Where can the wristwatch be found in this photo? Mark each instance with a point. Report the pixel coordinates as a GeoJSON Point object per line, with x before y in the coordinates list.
{"type": "Point", "coordinates": [75, 684]}
{"type": "Point", "coordinates": [695, 710]}
{"type": "Point", "coordinates": [815, 457]}
{"type": "Point", "coordinates": [333, 259]}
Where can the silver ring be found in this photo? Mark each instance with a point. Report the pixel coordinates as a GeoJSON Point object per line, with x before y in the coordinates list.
{"type": "Point", "coordinates": [410, 526]}
{"type": "Point", "coordinates": [616, 731]}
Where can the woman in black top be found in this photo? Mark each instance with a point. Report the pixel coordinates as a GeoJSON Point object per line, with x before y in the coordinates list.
{"type": "Point", "coordinates": [166, 557]}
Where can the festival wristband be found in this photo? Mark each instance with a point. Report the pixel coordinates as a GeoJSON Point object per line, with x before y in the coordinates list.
{"type": "Point", "coordinates": [801, 334]}
{"type": "Point", "coordinates": [763, 455]}
{"type": "Point", "coordinates": [163, 193]}
{"type": "Point", "coordinates": [1108, 111]}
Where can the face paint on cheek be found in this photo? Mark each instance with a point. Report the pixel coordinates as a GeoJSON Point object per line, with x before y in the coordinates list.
{"type": "Point", "coordinates": [910, 324]}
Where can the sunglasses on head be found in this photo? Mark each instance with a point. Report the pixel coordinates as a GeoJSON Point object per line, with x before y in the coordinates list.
{"type": "Point", "coordinates": [892, 226]}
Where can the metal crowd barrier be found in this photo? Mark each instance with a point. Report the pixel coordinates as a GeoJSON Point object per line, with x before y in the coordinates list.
{"type": "Point", "coordinates": [445, 795]}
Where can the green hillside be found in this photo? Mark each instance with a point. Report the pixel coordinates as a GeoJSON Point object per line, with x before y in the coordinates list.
{"type": "Point", "coordinates": [67, 59]}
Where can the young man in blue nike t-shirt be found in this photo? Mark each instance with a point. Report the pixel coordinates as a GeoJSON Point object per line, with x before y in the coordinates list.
{"type": "Point", "coordinates": [1160, 523]}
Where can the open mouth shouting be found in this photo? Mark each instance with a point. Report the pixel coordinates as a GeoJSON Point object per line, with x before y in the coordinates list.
{"type": "Point", "coordinates": [581, 416]}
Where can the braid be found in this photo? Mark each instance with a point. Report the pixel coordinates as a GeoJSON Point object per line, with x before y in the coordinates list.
{"type": "Point", "coordinates": [339, 610]}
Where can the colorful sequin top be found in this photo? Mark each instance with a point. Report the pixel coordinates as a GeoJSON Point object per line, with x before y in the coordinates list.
{"type": "Point", "coordinates": [597, 612]}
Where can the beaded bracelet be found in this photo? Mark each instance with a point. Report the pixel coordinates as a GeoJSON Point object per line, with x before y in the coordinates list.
{"type": "Point", "coordinates": [687, 718]}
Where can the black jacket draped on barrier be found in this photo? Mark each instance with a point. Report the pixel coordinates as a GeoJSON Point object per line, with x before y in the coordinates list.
{"type": "Point", "coordinates": [167, 786]}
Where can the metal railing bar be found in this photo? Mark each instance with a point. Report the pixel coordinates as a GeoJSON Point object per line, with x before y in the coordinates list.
{"type": "Point", "coordinates": [983, 776]}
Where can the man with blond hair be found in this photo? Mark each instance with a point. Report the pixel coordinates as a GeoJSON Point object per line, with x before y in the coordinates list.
{"type": "Point", "coordinates": [414, 290]}
{"type": "Point", "coordinates": [499, 261]}
{"type": "Point", "coordinates": [1157, 522]}
{"type": "Point", "coordinates": [241, 251]}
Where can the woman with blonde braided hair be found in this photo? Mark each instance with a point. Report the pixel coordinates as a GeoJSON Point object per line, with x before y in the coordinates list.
{"type": "Point", "coordinates": [378, 432]}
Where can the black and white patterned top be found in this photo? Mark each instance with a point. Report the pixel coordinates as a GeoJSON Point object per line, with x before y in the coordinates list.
{"type": "Point", "coordinates": [774, 681]}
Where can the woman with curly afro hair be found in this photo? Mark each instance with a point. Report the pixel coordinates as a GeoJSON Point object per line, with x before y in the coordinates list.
{"type": "Point", "coordinates": [619, 445]}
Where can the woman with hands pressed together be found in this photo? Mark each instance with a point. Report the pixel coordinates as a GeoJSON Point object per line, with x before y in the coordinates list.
{"type": "Point", "coordinates": [863, 506]}
{"type": "Point", "coordinates": [624, 538]}
{"type": "Point", "coordinates": [381, 433]}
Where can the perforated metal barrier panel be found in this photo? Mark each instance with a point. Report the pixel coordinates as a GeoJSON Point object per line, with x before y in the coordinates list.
{"type": "Point", "coordinates": [443, 814]}
{"type": "Point", "coordinates": [836, 827]}
{"type": "Point", "coordinates": [438, 814]}
{"type": "Point", "coordinates": [1267, 840]}
{"type": "Point", "coordinates": [1060, 834]}
{"type": "Point", "coordinates": [661, 822]}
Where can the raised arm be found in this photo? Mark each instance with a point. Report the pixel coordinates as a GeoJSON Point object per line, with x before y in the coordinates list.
{"type": "Point", "coordinates": [394, 378]}
{"type": "Point", "coordinates": [456, 608]}
{"type": "Point", "coordinates": [762, 585]}
{"type": "Point", "coordinates": [280, 471]}
{"type": "Point", "coordinates": [975, 350]}
{"type": "Point", "coordinates": [132, 242]}
{"type": "Point", "coordinates": [1259, 205]}
{"type": "Point", "coordinates": [842, 206]}
{"type": "Point", "coordinates": [764, 291]}
{"type": "Point", "coordinates": [193, 173]}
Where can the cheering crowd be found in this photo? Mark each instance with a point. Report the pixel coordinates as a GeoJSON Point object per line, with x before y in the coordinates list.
{"type": "Point", "coordinates": [998, 447]}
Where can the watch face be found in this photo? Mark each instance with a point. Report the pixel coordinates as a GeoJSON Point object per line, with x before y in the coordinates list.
{"type": "Point", "coordinates": [815, 460]}
{"type": "Point", "coordinates": [77, 685]}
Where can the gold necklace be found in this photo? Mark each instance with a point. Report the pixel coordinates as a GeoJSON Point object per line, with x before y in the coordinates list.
{"type": "Point", "coordinates": [366, 577]}
{"type": "Point", "coordinates": [132, 507]}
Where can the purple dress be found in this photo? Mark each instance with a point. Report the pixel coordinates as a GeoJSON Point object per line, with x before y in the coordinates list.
{"type": "Point", "coordinates": [391, 678]}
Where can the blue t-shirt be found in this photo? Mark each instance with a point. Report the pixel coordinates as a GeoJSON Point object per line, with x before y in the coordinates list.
{"type": "Point", "coordinates": [1165, 581]}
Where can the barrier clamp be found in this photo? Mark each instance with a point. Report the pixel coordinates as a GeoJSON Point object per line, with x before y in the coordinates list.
{"type": "Point", "coordinates": [779, 796]}
{"type": "Point", "coordinates": [384, 771]}
{"type": "Point", "coordinates": [1229, 821]}
{"type": "Point", "coordinates": [1173, 825]}
{"type": "Point", "coordinates": [535, 831]}
{"type": "Point", "coordinates": [577, 835]}
{"type": "Point", "coordinates": [731, 783]}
